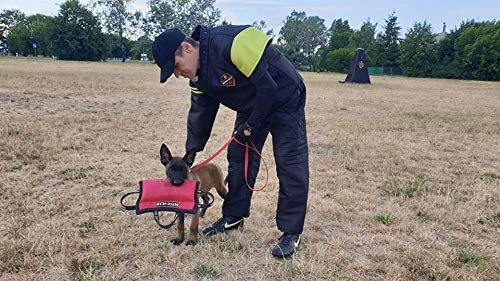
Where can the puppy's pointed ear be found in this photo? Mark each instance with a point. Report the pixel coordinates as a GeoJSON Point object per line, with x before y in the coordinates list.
{"type": "Point", "coordinates": [165, 155]}
{"type": "Point", "coordinates": [189, 157]}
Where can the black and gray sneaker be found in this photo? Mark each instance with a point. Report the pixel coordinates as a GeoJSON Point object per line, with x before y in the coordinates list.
{"type": "Point", "coordinates": [286, 245]}
{"type": "Point", "coordinates": [223, 224]}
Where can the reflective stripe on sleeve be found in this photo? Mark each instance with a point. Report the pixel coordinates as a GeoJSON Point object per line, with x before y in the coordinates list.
{"type": "Point", "coordinates": [195, 90]}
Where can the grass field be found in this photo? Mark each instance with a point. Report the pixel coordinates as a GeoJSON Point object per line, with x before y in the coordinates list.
{"type": "Point", "coordinates": [405, 179]}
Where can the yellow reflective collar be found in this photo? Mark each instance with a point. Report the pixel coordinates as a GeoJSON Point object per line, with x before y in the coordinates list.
{"type": "Point", "coordinates": [247, 49]}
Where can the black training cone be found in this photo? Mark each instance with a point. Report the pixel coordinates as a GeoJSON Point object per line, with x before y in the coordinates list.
{"type": "Point", "coordinates": [359, 69]}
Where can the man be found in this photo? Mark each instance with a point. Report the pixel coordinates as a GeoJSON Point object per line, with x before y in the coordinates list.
{"type": "Point", "coordinates": [236, 66]}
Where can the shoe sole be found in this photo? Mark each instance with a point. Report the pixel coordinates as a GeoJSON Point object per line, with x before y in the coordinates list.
{"type": "Point", "coordinates": [283, 256]}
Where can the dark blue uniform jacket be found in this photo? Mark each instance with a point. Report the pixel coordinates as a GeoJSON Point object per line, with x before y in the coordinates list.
{"type": "Point", "coordinates": [254, 89]}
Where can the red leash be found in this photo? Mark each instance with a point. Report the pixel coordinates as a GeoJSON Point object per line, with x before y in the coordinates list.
{"type": "Point", "coordinates": [202, 164]}
{"type": "Point", "coordinates": [247, 156]}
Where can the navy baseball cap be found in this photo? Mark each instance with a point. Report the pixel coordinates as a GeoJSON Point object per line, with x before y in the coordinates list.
{"type": "Point", "coordinates": [164, 48]}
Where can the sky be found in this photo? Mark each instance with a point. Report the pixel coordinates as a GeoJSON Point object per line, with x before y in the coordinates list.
{"type": "Point", "coordinates": [274, 12]}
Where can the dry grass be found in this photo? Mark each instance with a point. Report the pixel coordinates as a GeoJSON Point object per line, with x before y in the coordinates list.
{"type": "Point", "coordinates": [405, 180]}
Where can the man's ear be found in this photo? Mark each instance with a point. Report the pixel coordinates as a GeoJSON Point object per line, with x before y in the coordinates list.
{"type": "Point", "coordinates": [165, 155]}
{"type": "Point", "coordinates": [189, 157]}
{"type": "Point", "coordinates": [186, 47]}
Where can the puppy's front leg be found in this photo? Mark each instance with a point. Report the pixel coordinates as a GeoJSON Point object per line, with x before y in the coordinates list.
{"type": "Point", "coordinates": [180, 230]}
{"type": "Point", "coordinates": [193, 230]}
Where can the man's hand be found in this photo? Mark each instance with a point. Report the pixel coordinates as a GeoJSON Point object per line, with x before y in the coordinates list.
{"type": "Point", "coordinates": [244, 132]}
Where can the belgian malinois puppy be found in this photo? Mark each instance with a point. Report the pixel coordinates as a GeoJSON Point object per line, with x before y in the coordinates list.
{"type": "Point", "coordinates": [177, 170]}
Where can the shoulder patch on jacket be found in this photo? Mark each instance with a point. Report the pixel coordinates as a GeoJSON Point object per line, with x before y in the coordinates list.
{"type": "Point", "coordinates": [227, 80]}
{"type": "Point", "coordinates": [247, 49]}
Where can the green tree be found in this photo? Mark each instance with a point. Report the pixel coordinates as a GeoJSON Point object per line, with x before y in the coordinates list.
{"type": "Point", "coordinates": [448, 65]}
{"type": "Point", "coordinates": [35, 28]}
{"type": "Point", "coordinates": [183, 14]}
{"type": "Point", "coordinates": [377, 55]}
{"type": "Point", "coordinates": [364, 37]}
{"type": "Point", "coordinates": [77, 34]}
{"type": "Point", "coordinates": [9, 19]}
{"type": "Point", "coordinates": [447, 45]}
{"type": "Point", "coordinates": [291, 32]}
{"type": "Point", "coordinates": [19, 39]}
{"type": "Point", "coordinates": [262, 26]}
{"type": "Point", "coordinates": [117, 21]}
{"type": "Point", "coordinates": [340, 32]}
{"type": "Point", "coordinates": [339, 40]}
{"type": "Point", "coordinates": [339, 26]}
{"type": "Point", "coordinates": [390, 41]}
{"type": "Point", "coordinates": [477, 52]}
{"type": "Point", "coordinates": [320, 59]}
{"type": "Point", "coordinates": [301, 37]}
{"type": "Point", "coordinates": [142, 45]}
{"type": "Point", "coordinates": [338, 36]}
{"type": "Point", "coordinates": [118, 47]}
{"type": "Point", "coordinates": [141, 25]}
{"type": "Point", "coordinates": [41, 26]}
{"type": "Point", "coordinates": [419, 51]}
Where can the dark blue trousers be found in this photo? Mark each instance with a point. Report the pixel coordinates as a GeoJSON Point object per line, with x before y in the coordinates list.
{"type": "Point", "coordinates": [288, 128]}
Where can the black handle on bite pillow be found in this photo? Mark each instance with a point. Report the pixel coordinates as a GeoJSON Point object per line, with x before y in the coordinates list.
{"type": "Point", "coordinates": [164, 226]}
{"type": "Point", "coordinates": [204, 207]}
{"type": "Point", "coordinates": [128, 207]}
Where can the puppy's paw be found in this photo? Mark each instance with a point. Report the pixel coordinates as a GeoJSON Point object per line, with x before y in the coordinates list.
{"type": "Point", "coordinates": [176, 241]}
{"type": "Point", "coordinates": [191, 243]}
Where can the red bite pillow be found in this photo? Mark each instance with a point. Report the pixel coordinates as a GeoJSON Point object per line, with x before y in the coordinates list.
{"type": "Point", "coordinates": [161, 195]}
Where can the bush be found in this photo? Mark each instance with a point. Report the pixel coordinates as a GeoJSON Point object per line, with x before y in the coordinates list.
{"type": "Point", "coordinates": [340, 60]}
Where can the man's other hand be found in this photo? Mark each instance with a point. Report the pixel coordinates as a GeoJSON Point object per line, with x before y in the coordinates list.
{"type": "Point", "coordinates": [244, 132]}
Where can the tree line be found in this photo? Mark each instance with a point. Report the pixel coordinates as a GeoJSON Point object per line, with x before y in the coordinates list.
{"type": "Point", "coordinates": [104, 28]}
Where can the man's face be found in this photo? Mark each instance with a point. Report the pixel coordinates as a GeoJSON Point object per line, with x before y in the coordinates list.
{"type": "Point", "coordinates": [186, 64]}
